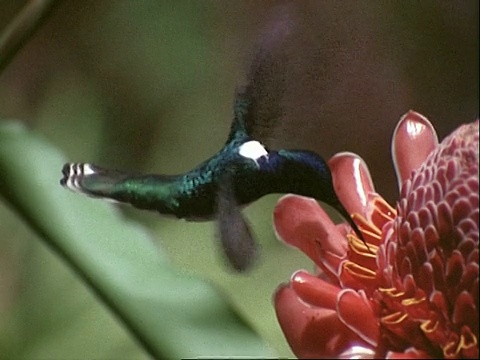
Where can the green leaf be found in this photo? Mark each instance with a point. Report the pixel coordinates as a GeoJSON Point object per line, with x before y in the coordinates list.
{"type": "Point", "coordinates": [172, 314]}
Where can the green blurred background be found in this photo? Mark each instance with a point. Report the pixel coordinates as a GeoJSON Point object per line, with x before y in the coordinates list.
{"type": "Point", "coordinates": [148, 86]}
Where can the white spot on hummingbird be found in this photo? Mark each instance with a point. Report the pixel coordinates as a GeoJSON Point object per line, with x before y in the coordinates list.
{"type": "Point", "coordinates": [88, 170]}
{"type": "Point", "coordinates": [253, 150]}
{"type": "Point", "coordinates": [75, 174]}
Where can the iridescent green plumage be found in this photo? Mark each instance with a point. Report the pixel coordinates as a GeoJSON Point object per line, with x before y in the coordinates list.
{"type": "Point", "coordinates": [217, 186]}
{"type": "Point", "coordinates": [240, 173]}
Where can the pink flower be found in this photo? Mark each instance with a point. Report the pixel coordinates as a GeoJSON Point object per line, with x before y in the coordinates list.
{"type": "Point", "coordinates": [413, 292]}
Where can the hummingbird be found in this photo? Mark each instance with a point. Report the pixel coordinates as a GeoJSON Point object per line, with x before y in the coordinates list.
{"type": "Point", "coordinates": [241, 172]}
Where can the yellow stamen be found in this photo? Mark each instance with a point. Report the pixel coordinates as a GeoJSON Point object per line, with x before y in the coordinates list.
{"type": "Point", "coordinates": [358, 270]}
{"type": "Point", "coordinates": [365, 226]}
{"type": "Point", "coordinates": [384, 209]}
{"type": "Point", "coordinates": [359, 247]}
{"type": "Point", "coordinates": [429, 326]}
{"type": "Point", "coordinates": [412, 301]}
{"type": "Point", "coordinates": [395, 318]}
{"type": "Point", "coordinates": [392, 292]}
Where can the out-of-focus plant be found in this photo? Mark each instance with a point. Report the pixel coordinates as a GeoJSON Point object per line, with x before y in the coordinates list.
{"type": "Point", "coordinates": [171, 314]}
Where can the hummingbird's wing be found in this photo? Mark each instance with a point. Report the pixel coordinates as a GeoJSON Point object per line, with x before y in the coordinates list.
{"type": "Point", "coordinates": [258, 104]}
{"type": "Point", "coordinates": [238, 243]}
{"type": "Point", "coordinates": [326, 78]}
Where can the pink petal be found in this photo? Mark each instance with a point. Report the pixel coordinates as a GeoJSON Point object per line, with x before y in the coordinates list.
{"type": "Point", "coordinates": [413, 140]}
{"type": "Point", "coordinates": [356, 277]}
{"type": "Point", "coordinates": [469, 345]}
{"type": "Point", "coordinates": [311, 332]}
{"type": "Point", "coordinates": [301, 222]}
{"type": "Point", "coordinates": [356, 313]}
{"type": "Point", "coordinates": [410, 353]}
{"type": "Point", "coordinates": [315, 291]}
{"type": "Point", "coordinates": [352, 181]}
{"type": "Point", "coordinates": [358, 352]}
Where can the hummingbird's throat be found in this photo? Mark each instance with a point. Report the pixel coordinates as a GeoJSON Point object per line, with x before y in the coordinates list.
{"type": "Point", "coordinates": [253, 150]}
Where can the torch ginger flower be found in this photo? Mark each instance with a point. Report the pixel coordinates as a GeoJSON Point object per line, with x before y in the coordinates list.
{"type": "Point", "coordinates": [413, 291]}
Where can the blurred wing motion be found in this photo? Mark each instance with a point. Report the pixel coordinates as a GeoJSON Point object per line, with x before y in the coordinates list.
{"type": "Point", "coordinates": [238, 243]}
{"type": "Point", "coordinates": [261, 98]}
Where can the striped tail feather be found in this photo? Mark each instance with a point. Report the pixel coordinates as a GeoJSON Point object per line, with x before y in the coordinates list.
{"type": "Point", "coordinates": [90, 179]}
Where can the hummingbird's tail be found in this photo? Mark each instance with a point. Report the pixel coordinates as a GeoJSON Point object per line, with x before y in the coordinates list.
{"type": "Point", "coordinates": [90, 179]}
{"type": "Point", "coordinates": [149, 192]}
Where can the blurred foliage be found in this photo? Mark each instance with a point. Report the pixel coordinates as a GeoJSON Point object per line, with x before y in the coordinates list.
{"type": "Point", "coordinates": [171, 314]}
{"type": "Point", "coordinates": [148, 85]}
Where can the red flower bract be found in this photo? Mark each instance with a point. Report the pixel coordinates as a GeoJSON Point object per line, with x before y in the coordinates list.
{"type": "Point", "coordinates": [412, 290]}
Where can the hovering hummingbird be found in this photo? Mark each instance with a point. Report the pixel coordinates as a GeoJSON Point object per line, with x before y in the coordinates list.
{"type": "Point", "coordinates": [243, 171]}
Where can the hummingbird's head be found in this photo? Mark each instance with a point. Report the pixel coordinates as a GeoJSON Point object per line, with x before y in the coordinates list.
{"type": "Point", "coordinates": [304, 173]}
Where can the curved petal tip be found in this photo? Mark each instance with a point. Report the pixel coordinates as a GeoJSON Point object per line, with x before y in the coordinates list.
{"type": "Point", "coordinates": [352, 181]}
{"type": "Point", "coordinates": [301, 222]}
{"type": "Point", "coordinates": [413, 140]}
{"type": "Point", "coordinates": [310, 331]}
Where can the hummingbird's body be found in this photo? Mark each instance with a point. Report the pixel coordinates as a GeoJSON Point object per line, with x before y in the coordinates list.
{"type": "Point", "coordinates": [190, 196]}
{"type": "Point", "coordinates": [240, 173]}
{"type": "Point", "coordinates": [255, 173]}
